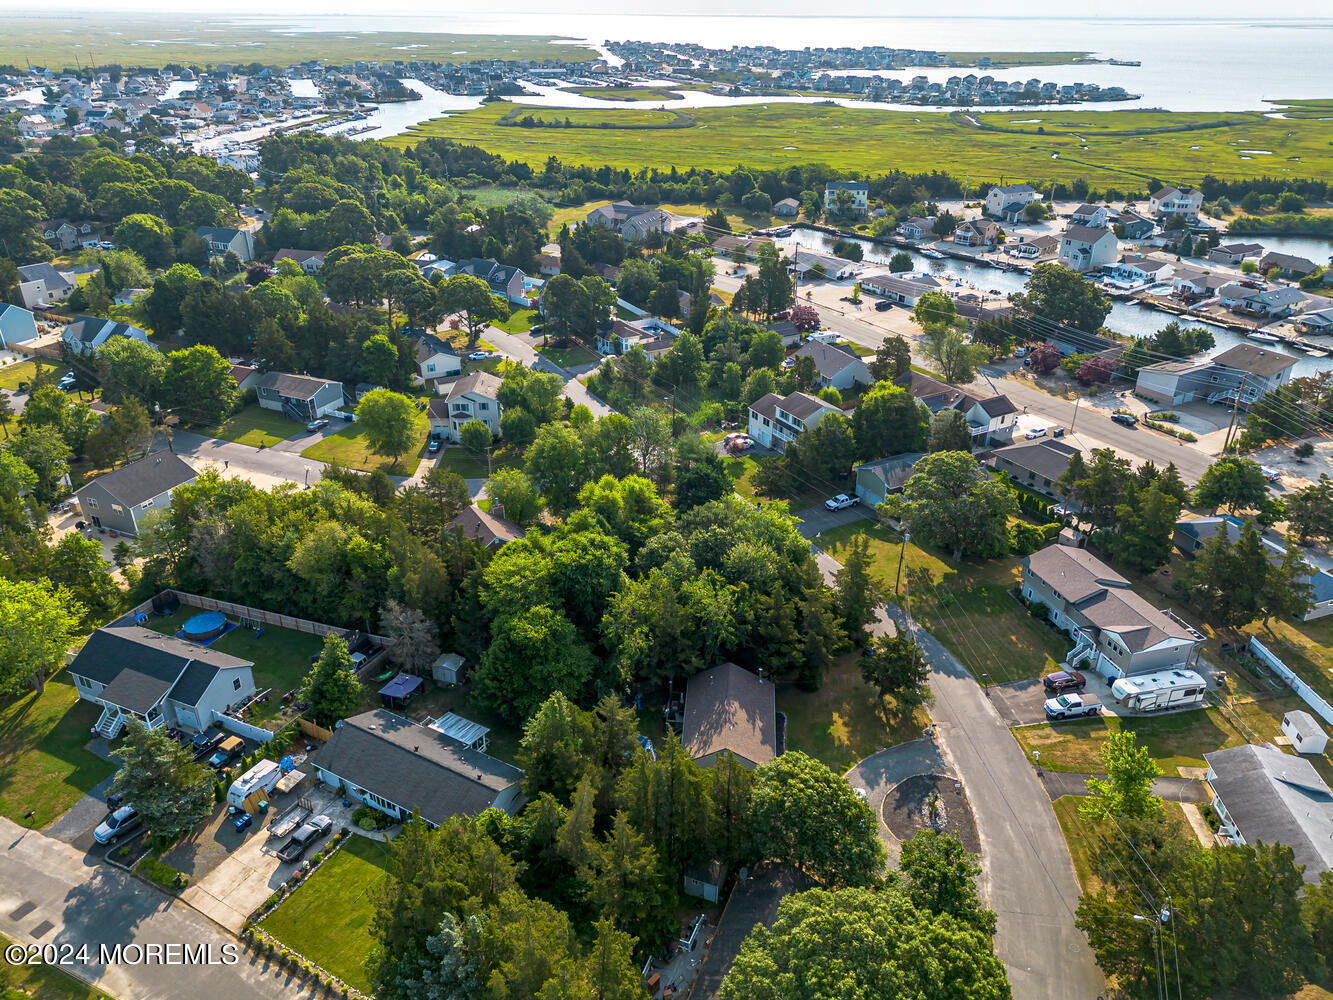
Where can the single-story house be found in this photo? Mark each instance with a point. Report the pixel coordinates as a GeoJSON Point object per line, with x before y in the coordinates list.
{"type": "Point", "coordinates": [1083, 248]}
{"type": "Point", "coordinates": [134, 672]}
{"type": "Point", "coordinates": [808, 264]}
{"type": "Point", "coordinates": [1288, 265]}
{"type": "Point", "coordinates": [705, 881]}
{"type": "Point", "coordinates": [1306, 735]}
{"type": "Point", "coordinates": [1136, 269]}
{"type": "Point", "coordinates": [472, 397]}
{"type": "Point", "coordinates": [309, 261]}
{"type": "Point", "coordinates": [1317, 320]}
{"type": "Point", "coordinates": [300, 397]}
{"type": "Point", "coordinates": [87, 333]}
{"type": "Point", "coordinates": [1068, 340]}
{"type": "Point", "coordinates": [118, 499]}
{"type": "Point", "coordinates": [785, 329]}
{"type": "Point", "coordinates": [904, 289]}
{"type": "Point", "coordinates": [729, 709]}
{"type": "Point", "coordinates": [436, 360]}
{"type": "Point", "coordinates": [399, 767]}
{"type": "Point", "coordinates": [1036, 465]}
{"type": "Point", "coordinates": [787, 208]}
{"type": "Point", "coordinates": [222, 240]}
{"type": "Point", "coordinates": [775, 420]}
{"type": "Point", "coordinates": [16, 325]}
{"type": "Point", "coordinates": [917, 228]}
{"type": "Point", "coordinates": [43, 285]}
{"type": "Point", "coordinates": [1191, 281]}
{"type": "Point", "coordinates": [1114, 629]}
{"type": "Point", "coordinates": [245, 375]}
{"type": "Point", "coordinates": [1263, 794]}
{"type": "Point", "coordinates": [876, 480]}
{"type": "Point", "coordinates": [1036, 248]}
{"type": "Point", "coordinates": [1245, 297]}
{"type": "Point", "coordinates": [840, 368]}
{"type": "Point", "coordinates": [1234, 253]}
{"type": "Point", "coordinates": [489, 527]}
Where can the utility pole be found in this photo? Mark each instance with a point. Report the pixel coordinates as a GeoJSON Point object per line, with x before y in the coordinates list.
{"type": "Point", "coordinates": [1074, 419]}
{"type": "Point", "coordinates": [1235, 410]}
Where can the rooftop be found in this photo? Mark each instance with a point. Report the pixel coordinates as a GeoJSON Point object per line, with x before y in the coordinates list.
{"type": "Point", "coordinates": [1255, 360]}
{"type": "Point", "coordinates": [144, 479]}
{"type": "Point", "coordinates": [729, 708]}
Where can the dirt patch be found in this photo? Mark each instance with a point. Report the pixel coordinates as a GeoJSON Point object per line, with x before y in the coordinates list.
{"type": "Point", "coordinates": [907, 809]}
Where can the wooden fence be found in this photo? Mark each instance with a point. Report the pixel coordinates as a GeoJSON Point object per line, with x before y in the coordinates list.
{"type": "Point", "coordinates": [245, 614]}
{"type": "Point", "coordinates": [314, 731]}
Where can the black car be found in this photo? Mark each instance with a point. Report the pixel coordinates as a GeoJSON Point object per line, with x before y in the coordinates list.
{"type": "Point", "coordinates": [883, 305]}
{"type": "Point", "coordinates": [1064, 680]}
{"type": "Point", "coordinates": [1126, 419]}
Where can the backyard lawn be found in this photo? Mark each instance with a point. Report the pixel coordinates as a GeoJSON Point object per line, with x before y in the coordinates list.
{"type": "Point", "coordinates": [255, 426]}
{"type": "Point", "coordinates": [348, 447]}
{"type": "Point", "coordinates": [43, 764]}
{"type": "Point", "coordinates": [281, 656]}
{"type": "Point", "coordinates": [570, 357]}
{"type": "Point", "coordinates": [463, 461]}
{"type": "Point", "coordinates": [20, 371]}
{"type": "Point", "coordinates": [328, 918]}
{"type": "Point", "coordinates": [520, 321]}
{"type": "Point", "coordinates": [845, 720]}
{"type": "Point", "coordinates": [966, 606]}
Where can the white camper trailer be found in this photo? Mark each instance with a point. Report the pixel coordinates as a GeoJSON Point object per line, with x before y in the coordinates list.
{"type": "Point", "coordinates": [263, 776]}
{"type": "Point", "coordinates": [1162, 690]}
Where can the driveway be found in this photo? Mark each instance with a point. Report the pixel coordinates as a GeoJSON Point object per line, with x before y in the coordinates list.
{"type": "Point", "coordinates": [521, 350]}
{"type": "Point", "coordinates": [819, 518]}
{"type": "Point", "coordinates": [265, 467]}
{"type": "Point", "coordinates": [1060, 783]}
{"type": "Point", "coordinates": [51, 893]}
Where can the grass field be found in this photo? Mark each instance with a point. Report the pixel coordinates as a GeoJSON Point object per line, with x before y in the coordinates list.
{"type": "Point", "coordinates": [68, 39]}
{"type": "Point", "coordinates": [255, 426]}
{"type": "Point", "coordinates": [1001, 60]}
{"type": "Point", "coordinates": [1107, 147]}
{"type": "Point", "coordinates": [328, 918]}
{"type": "Point", "coordinates": [21, 371]}
{"type": "Point", "coordinates": [458, 459]}
{"type": "Point", "coordinates": [348, 447]}
{"type": "Point", "coordinates": [577, 120]}
{"type": "Point", "coordinates": [281, 656]}
{"type": "Point", "coordinates": [1173, 741]}
{"type": "Point", "coordinates": [519, 321]}
{"type": "Point", "coordinates": [570, 357]}
{"type": "Point", "coordinates": [845, 720]}
{"type": "Point", "coordinates": [43, 764]}
{"type": "Point", "coordinates": [44, 982]}
{"type": "Point", "coordinates": [966, 605]}
{"type": "Point", "coordinates": [624, 93]}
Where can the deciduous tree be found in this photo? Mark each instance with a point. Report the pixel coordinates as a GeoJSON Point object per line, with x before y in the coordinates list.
{"type": "Point", "coordinates": [952, 502]}
{"type": "Point", "coordinates": [1127, 788]}
{"type": "Point", "coordinates": [389, 422]}
{"type": "Point", "coordinates": [38, 623]}
{"type": "Point", "coordinates": [331, 688]}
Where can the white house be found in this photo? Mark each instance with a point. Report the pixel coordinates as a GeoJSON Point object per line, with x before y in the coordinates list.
{"type": "Point", "coordinates": [472, 397]}
{"type": "Point", "coordinates": [1007, 201]}
{"type": "Point", "coordinates": [990, 419]}
{"type": "Point", "coordinates": [809, 264]}
{"type": "Point", "coordinates": [1246, 297]}
{"type": "Point", "coordinates": [776, 420]}
{"type": "Point", "coordinates": [859, 190]}
{"type": "Point", "coordinates": [436, 360]}
{"type": "Point", "coordinates": [16, 325]}
{"type": "Point", "coordinates": [222, 240]}
{"type": "Point", "coordinates": [1305, 734]}
{"type": "Point", "coordinates": [917, 228]}
{"type": "Point", "coordinates": [1176, 201]}
{"type": "Point", "coordinates": [309, 261]}
{"type": "Point", "coordinates": [903, 288]}
{"type": "Point", "coordinates": [1092, 216]}
{"type": "Point", "coordinates": [1131, 272]}
{"type": "Point", "coordinates": [43, 285]}
{"type": "Point", "coordinates": [1083, 248]}
{"type": "Point", "coordinates": [87, 333]}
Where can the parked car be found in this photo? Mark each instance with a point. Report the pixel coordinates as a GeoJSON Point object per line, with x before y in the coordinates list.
{"type": "Point", "coordinates": [841, 502]}
{"type": "Point", "coordinates": [433, 447]}
{"type": "Point", "coordinates": [1035, 432]}
{"type": "Point", "coordinates": [1072, 706]}
{"type": "Point", "coordinates": [123, 821]}
{"type": "Point", "coordinates": [67, 382]}
{"type": "Point", "coordinates": [227, 751]}
{"type": "Point", "coordinates": [203, 744]}
{"type": "Point", "coordinates": [479, 355]}
{"type": "Point", "coordinates": [788, 363]}
{"type": "Point", "coordinates": [1126, 419]}
{"type": "Point", "coordinates": [300, 842]}
{"type": "Point", "coordinates": [317, 425]}
{"type": "Point", "coordinates": [1064, 680]}
{"type": "Point", "coordinates": [1021, 352]}
{"type": "Point", "coordinates": [883, 305]}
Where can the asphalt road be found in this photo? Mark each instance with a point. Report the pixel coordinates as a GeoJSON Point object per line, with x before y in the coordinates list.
{"type": "Point", "coordinates": [54, 894]}
{"type": "Point", "coordinates": [518, 349]}
{"type": "Point", "coordinates": [265, 467]}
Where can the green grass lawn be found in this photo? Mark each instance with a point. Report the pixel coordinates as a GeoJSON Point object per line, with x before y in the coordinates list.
{"type": "Point", "coordinates": [519, 322]}
{"type": "Point", "coordinates": [845, 720]}
{"type": "Point", "coordinates": [625, 93]}
{"type": "Point", "coordinates": [281, 656]}
{"type": "Point", "coordinates": [20, 371]}
{"type": "Point", "coordinates": [255, 426]}
{"type": "Point", "coordinates": [458, 459]}
{"type": "Point", "coordinates": [1121, 147]}
{"type": "Point", "coordinates": [348, 447]}
{"type": "Point", "coordinates": [44, 982]}
{"type": "Point", "coordinates": [965, 605]}
{"type": "Point", "coordinates": [570, 357]}
{"type": "Point", "coordinates": [43, 764]}
{"type": "Point", "coordinates": [328, 918]}
{"type": "Point", "coordinates": [1083, 836]}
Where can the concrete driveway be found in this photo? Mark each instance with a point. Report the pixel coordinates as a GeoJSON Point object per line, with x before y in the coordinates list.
{"type": "Point", "coordinates": [265, 467]}
{"type": "Point", "coordinates": [1171, 789]}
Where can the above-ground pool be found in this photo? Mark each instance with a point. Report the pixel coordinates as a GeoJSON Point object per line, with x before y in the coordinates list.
{"type": "Point", "coordinates": [204, 626]}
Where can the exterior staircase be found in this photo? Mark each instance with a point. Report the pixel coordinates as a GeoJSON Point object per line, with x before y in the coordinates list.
{"type": "Point", "coordinates": [294, 412]}
{"type": "Point", "coordinates": [110, 723]}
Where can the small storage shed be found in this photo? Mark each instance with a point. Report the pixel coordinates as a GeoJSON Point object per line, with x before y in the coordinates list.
{"type": "Point", "coordinates": [448, 669]}
{"type": "Point", "coordinates": [1305, 735]}
{"type": "Point", "coordinates": [706, 881]}
{"type": "Point", "coordinates": [401, 689]}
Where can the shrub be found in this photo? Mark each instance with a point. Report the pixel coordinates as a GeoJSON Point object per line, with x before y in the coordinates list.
{"type": "Point", "coordinates": [1039, 611]}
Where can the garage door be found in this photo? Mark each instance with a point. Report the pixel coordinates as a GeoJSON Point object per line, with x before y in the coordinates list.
{"type": "Point", "coordinates": [188, 717]}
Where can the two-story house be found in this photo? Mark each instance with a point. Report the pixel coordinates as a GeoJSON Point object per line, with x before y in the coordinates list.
{"type": "Point", "coordinates": [775, 420]}
{"type": "Point", "coordinates": [16, 325]}
{"type": "Point", "coordinates": [507, 282]}
{"type": "Point", "coordinates": [1083, 248]}
{"type": "Point", "coordinates": [976, 233]}
{"type": "Point", "coordinates": [631, 221]}
{"type": "Point", "coordinates": [1092, 216]}
{"type": "Point", "coordinates": [309, 261]}
{"type": "Point", "coordinates": [990, 419]}
{"type": "Point", "coordinates": [1007, 201]}
{"type": "Point", "coordinates": [858, 204]}
{"type": "Point", "coordinates": [119, 500]}
{"type": "Point", "coordinates": [1244, 371]}
{"type": "Point", "coordinates": [65, 235]}
{"type": "Point", "coordinates": [837, 367]}
{"type": "Point", "coordinates": [222, 240]}
{"type": "Point", "coordinates": [1115, 631]}
{"type": "Point", "coordinates": [436, 361]}
{"type": "Point", "coordinates": [1170, 201]}
{"type": "Point", "coordinates": [1135, 226]}
{"type": "Point", "coordinates": [300, 397]}
{"type": "Point", "coordinates": [87, 333]}
{"type": "Point", "coordinates": [42, 285]}
{"type": "Point", "coordinates": [472, 397]}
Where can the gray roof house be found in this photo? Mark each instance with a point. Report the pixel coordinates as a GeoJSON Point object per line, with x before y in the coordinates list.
{"type": "Point", "coordinates": [775, 420]}
{"type": "Point", "coordinates": [838, 367]}
{"type": "Point", "coordinates": [436, 360]}
{"type": "Point", "coordinates": [1114, 629]}
{"type": "Point", "coordinates": [1245, 371]}
{"type": "Point", "coordinates": [87, 333]}
{"type": "Point", "coordinates": [1084, 248]}
{"type": "Point", "coordinates": [43, 285]}
{"type": "Point", "coordinates": [119, 499]}
{"type": "Point", "coordinates": [1263, 794]}
{"type": "Point", "coordinates": [787, 208]}
{"type": "Point", "coordinates": [300, 397]}
{"type": "Point", "coordinates": [1289, 265]}
{"type": "Point", "coordinates": [475, 396]}
{"type": "Point", "coordinates": [505, 281]}
{"type": "Point", "coordinates": [134, 672]}
{"type": "Point", "coordinates": [222, 240]}
{"type": "Point", "coordinates": [632, 221]}
{"type": "Point", "coordinates": [876, 480]}
{"type": "Point", "coordinates": [399, 766]}
{"type": "Point", "coordinates": [991, 419]}
{"type": "Point", "coordinates": [1037, 465]}
{"type": "Point", "coordinates": [16, 325]}
{"type": "Point", "coordinates": [729, 709]}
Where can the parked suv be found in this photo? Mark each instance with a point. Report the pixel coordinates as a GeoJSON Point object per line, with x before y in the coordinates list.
{"type": "Point", "coordinates": [1064, 680]}
{"type": "Point", "coordinates": [124, 820]}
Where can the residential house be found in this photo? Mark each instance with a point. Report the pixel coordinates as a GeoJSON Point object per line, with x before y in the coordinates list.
{"type": "Point", "coordinates": [1192, 282]}
{"type": "Point", "coordinates": [309, 261]}
{"type": "Point", "coordinates": [917, 228]}
{"type": "Point", "coordinates": [65, 235]}
{"type": "Point", "coordinates": [838, 367]}
{"type": "Point", "coordinates": [728, 709]}
{"type": "Point", "coordinates": [1115, 630]}
{"type": "Point", "coordinates": [245, 375]}
{"type": "Point", "coordinates": [1136, 270]}
{"type": "Point", "coordinates": [1070, 341]}
{"type": "Point", "coordinates": [222, 240]}
{"type": "Point", "coordinates": [36, 127]}
{"type": "Point", "coordinates": [1245, 371]}
{"type": "Point", "coordinates": [16, 325]}
{"type": "Point", "coordinates": [860, 197]}
{"type": "Point", "coordinates": [43, 285]}
{"type": "Point", "coordinates": [904, 289]}
{"type": "Point", "coordinates": [876, 480]}
{"type": "Point", "coordinates": [991, 419]}
{"type": "Point", "coordinates": [1135, 226]}
{"type": "Point", "coordinates": [400, 767]}
{"type": "Point", "coordinates": [118, 500]}
{"type": "Point", "coordinates": [1317, 321]}
{"type": "Point", "coordinates": [436, 360]}
{"type": "Point", "coordinates": [1234, 253]}
{"type": "Point", "coordinates": [776, 420]}
{"type": "Point", "coordinates": [785, 329]}
{"type": "Point", "coordinates": [1007, 201]}
{"type": "Point", "coordinates": [1170, 201]}
{"type": "Point", "coordinates": [472, 397]}
{"type": "Point", "coordinates": [548, 265]}
{"type": "Point", "coordinates": [300, 397]}
{"type": "Point", "coordinates": [976, 233]}
{"type": "Point", "coordinates": [158, 680]}
{"type": "Point", "coordinates": [653, 334]}
{"type": "Point", "coordinates": [505, 281]}
{"type": "Point", "coordinates": [1261, 794]}
{"type": "Point", "coordinates": [1037, 248]}
{"type": "Point", "coordinates": [87, 333]}
{"type": "Point", "coordinates": [1083, 248]}
{"type": "Point", "coordinates": [810, 265]}
{"type": "Point", "coordinates": [1035, 465]}
{"type": "Point", "coordinates": [1092, 216]}
{"type": "Point", "coordinates": [1249, 297]}
{"type": "Point", "coordinates": [489, 527]}
{"type": "Point", "coordinates": [787, 208]}
{"type": "Point", "coordinates": [631, 221]}
{"type": "Point", "coordinates": [1288, 265]}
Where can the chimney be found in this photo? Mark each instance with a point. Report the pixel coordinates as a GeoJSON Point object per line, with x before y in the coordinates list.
{"type": "Point", "coordinates": [497, 508]}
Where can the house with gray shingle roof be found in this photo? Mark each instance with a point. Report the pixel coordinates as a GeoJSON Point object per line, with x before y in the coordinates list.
{"type": "Point", "coordinates": [43, 285]}
{"type": "Point", "coordinates": [118, 500]}
{"type": "Point", "coordinates": [87, 333]}
{"type": "Point", "coordinates": [837, 367]}
{"type": "Point", "coordinates": [300, 397]}
{"type": "Point", "coordinates": [728, 709]}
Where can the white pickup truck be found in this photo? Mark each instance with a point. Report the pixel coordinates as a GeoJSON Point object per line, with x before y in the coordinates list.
{"type": "Point", "coordinates": [1072, 706]}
